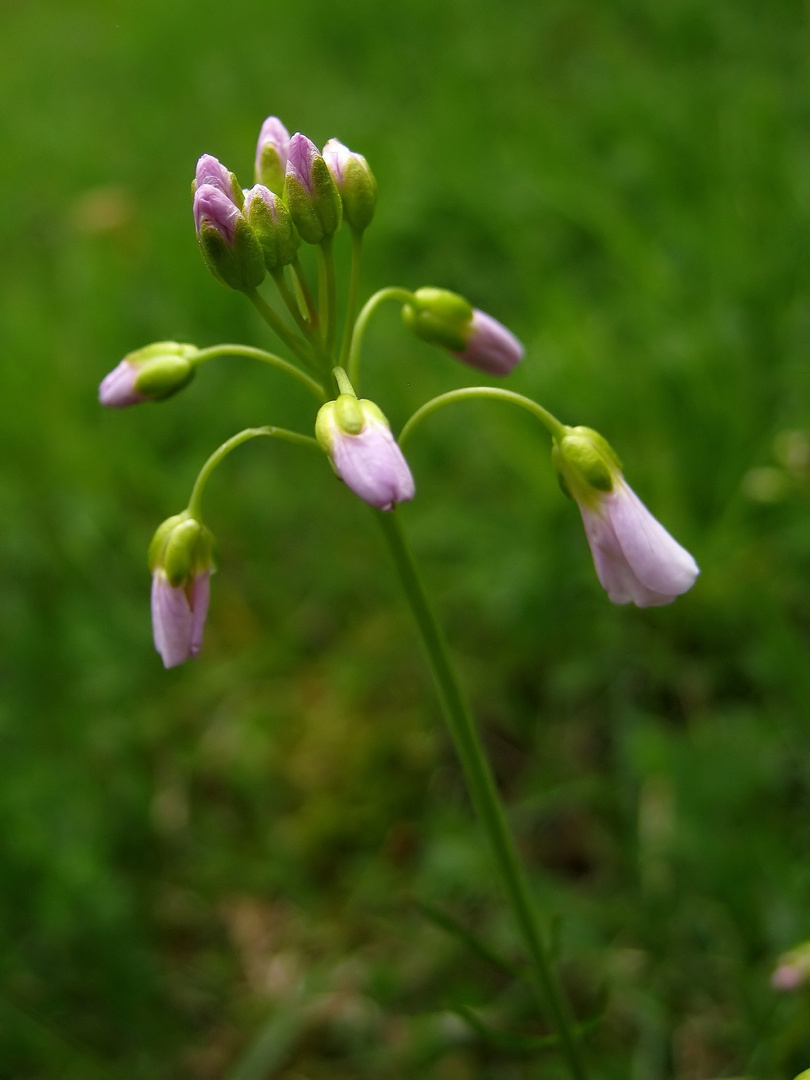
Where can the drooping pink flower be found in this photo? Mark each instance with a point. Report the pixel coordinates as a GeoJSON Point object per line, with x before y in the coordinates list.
{"type": "Point", "coordinates": [364, 453]}
{"type": "Point", "coordinates": [637, 561]}
{"type": "Point", "coordinates": [181, 558]}
{"type": "Point", "coordinates": [178, 616]}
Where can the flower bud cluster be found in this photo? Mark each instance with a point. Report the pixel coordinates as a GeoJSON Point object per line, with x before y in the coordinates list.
{"type": "Point", "coordinates": [299, 194]}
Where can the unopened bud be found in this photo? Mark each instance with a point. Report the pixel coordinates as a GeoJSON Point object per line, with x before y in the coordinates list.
{"type": "Point", "coordinates": [149, 374]}
{"type": "Point", "coordinates": [355, 182]}
{"type": "Point", "coordinates": [310, 192]}
{"type": "Point", "coordinates": [272, 226]}
{"type": "Point", "coordinates": [271, 154]}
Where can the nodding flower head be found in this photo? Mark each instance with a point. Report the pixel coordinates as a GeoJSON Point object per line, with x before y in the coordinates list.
{"type": "Point", "coordinates": [363, 452]}
{"type": "Point", "coordinates": [181, 559]}
{"type": "Point", "coordinates": [271, 154]}
{"type": "Point", "coordinates": [636, 559]}
{"type": "Point", "coordinates": [310, 192]}
{"type": "Point", "coordinates": [149, 374]}
{"type": "Point", "coordinates": [446, 319]}
{"type": "Point", "coordinates": [355, 182]}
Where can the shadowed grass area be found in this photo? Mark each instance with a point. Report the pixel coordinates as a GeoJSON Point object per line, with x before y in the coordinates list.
{"type": "Point", "coordinates": [221, 870]}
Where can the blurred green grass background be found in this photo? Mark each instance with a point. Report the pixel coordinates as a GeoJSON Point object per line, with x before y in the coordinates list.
{"type": "Point", "coordinates": [216, 871]}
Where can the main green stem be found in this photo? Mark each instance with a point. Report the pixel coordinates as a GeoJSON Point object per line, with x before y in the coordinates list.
{"type": "Point", "coordinates": [481, 785]}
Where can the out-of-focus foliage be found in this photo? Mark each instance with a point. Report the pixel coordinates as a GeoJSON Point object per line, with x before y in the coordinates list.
{"type": "Point", "coordinates": [218, 871]}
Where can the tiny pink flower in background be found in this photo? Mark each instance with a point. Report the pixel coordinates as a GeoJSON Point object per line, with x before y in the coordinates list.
{"type": "Point", "coordinates": [490, 346]}
{"type": "Point", "coordinates": [637, 561]}
{"type": "Point", "coordinates": [793, 970]}
{"type": "Point", "coordinates": [363, 452]}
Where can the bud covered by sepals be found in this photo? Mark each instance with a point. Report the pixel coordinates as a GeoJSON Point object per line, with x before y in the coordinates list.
{"type": "Point", "coordinates": [181, 559]}
{"type": "Point", "coordinates": [363, 452]}
{"type": "Point", "coordinates": [272, 226]}
{"type": "Point", "coordinates": [446, 319]}
{"type": "Point", "coordinates": [310, 192]}
{"type": "Point", "coordinates": [231, 251]}
{"type": "Point", "coordinates": [271, 154]}
{"type": "Point", "coordinates": [149, 374]}
{"type": "Point", "coordinates": [355, 182]}
{"type": "Point", "coordinates": [635, 557]}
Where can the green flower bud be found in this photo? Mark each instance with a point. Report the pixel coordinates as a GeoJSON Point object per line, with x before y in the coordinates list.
{"type": "Point", "coordinates": [355, 182]}
{"type": "Point", "coordinates": [149, 374]}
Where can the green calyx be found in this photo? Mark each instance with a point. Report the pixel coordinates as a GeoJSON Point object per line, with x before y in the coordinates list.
{"type": "Point", "coordinates": [239, 265]}
{"type": "Point", "coordinates": [270, 169]}
{"type": "Point", "coordinates": [586, 463]}
{"type": "Point", "coordinates": [163, 368]}
{"type": "Point", "coordinates": [347, 415]}
{"type": "Point", "coordinates": [358, 192]}
{"type": "Point", "coordinates": [439, 317]}
{"type": "Point", "coordinates": [182, 548]}
{"type": "Point", "coordinates": [276, 234]}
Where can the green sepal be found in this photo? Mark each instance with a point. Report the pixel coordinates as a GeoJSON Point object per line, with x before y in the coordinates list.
{"type": "Point", "coordinates": [358, 193]}
{"type": "Point", "coordinates": [439, 317]}
{"type": "Point", "coordinates": [239, 265]}
{"type": "Point", "coordinates": [586, 463]}
{"type": "Point", "coordinates": [318, 214]}
{"type": "Point", "coordinates": [348, 414]}
{"type": "Point", "coordinates": [163, 376]}
{"type": "Point", "coordinates": [277, 236]}
{"type": "Point", "coordinates": [182, 548]}
{"type": "Point", "coordinates": [270, 169]}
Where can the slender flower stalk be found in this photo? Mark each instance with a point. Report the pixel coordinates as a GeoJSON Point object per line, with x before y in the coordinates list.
{"type": "Point", "coordinates": [482, 789]}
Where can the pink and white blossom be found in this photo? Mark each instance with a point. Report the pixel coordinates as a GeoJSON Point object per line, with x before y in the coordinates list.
{"type": "Point", "coordinates": [178, 616]}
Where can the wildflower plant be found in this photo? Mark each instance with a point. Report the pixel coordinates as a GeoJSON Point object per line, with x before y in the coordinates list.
{"type": "Point", "coordinates": [253, 238]}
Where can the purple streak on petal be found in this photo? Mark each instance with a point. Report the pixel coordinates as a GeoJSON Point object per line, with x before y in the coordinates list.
{"type": "Point", "coordinates": [214, 208]}
{"type": "Point", "coordinates": [336, 156]}
{"type": "Point", "coordinates": [117, 389]}
{"type": "Point", "coordinates": [300, 158]}
{"type": "Point", "coordinates": [490, 346]}
{"type": "Point", "coordinates": [200, 594]}
{"type": "Point", "coordinates": [171, 621]}
{"type": "Point", "coordinates": [212, 172]}
{"type": "Point", "coordinates": [373, 466]}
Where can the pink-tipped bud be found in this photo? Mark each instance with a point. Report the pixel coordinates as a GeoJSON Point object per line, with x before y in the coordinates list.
{"type": "Point", "coordinates": [635, 557]}
{"type": "Point", "coordinates": [310, 192]}
{"type": "Point", "coordinates": [355, 182]}
{"type": "Point", "coordinates": [446, 319]}
{"type": "Point", "coordinates": [212, 172]}
{"type": "Point", "coordinates": [490, 346]}
{"type": "Point", "coordinates": [231, 251]}
{"type": "Point", "coordinates": [793, 970]}
{"type": "Point", "coordinates": [181, 558]}
{"type": "Point", "coordinates": [272, 226]}
{"type": "Point", "coordinates": [271, 154]}
{"type": "Point", "coordinates": [363, 452]}
{"type": "Point", "coordinates": [149, 374]}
